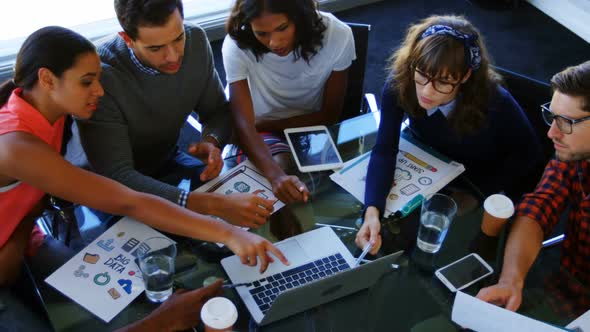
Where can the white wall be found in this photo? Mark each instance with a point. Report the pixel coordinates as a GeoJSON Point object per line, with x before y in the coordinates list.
{"type": "Point", "coordinates": [573, 14]}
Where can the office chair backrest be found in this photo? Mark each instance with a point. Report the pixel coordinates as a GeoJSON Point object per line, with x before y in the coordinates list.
{"type": "Point", "coordinates": [356, 73]}
{"type": "Point", "coordinates": [530, 95]}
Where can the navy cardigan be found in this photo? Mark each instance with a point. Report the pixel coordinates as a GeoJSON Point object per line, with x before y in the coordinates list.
{"type": "Point", "coordinates": [505, 149]}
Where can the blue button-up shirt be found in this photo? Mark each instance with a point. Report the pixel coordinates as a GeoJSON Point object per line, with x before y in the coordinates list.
{"type": "Point", "coordinates": [140, 66]}
{"type": "Point", "coordinates": [444, 109]}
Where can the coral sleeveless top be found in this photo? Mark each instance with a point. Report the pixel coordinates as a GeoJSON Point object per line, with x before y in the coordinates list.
{"type": "Point", "coordinates": [16, 200]}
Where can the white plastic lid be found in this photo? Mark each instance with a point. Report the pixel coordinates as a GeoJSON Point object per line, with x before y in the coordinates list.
{"type": "Point", "coordinates": [219, 313]}
{"type": "Point", "coordinates": [499, 206]}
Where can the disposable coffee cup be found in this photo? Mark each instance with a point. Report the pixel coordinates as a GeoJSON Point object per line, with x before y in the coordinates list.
{"type": "Point", "coordinates": [498, 208]}
{"type": "Point", "coordinates": [219, 314]}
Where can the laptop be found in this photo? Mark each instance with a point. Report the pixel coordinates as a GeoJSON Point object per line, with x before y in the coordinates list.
{"type": "Point", "coordinates": [322, 270]}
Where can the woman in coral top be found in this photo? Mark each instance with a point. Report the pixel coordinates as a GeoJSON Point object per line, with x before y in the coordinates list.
{"type": "Point", "coordinates": [56, 75]}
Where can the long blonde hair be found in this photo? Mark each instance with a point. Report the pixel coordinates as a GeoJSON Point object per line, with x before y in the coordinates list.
{"type": "Point", "coordinates": [436, 54]}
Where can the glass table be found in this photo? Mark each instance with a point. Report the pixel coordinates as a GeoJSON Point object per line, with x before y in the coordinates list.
{"type": "Point", "coordinates": [407, 299]}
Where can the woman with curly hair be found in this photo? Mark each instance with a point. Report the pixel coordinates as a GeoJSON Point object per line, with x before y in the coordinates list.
{"type": "Point", "coordinates": [286, 65]}
{"type": "Point", "coordinates": [441, 79]}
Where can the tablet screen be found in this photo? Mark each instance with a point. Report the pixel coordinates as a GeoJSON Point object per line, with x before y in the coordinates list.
{"type": "Point", "coordinates": [314, 148]}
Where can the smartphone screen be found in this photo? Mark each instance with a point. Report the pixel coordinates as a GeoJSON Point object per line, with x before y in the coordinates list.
{"type": "Point", "coordinates": [465, 271]}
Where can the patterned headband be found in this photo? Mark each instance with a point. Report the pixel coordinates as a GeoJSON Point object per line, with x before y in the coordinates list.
{"type": "Point", "coordinates": [472, 51]}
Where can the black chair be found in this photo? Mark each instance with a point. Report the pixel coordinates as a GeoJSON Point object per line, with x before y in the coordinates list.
{"type": "Point", "coordinates": [59, 218]}
{"type": "Point", "coordinates": [530, 95]}
{"type": "Point", "coordinates": [355, 101]}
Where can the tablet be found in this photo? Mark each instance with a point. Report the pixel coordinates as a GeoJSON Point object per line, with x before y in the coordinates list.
{"type": "Point", "coordinates": [313, 148]}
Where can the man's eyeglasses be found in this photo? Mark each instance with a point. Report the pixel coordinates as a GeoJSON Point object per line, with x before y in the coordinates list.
{"type": "Point", "coordinates": [564, 124]}
{"type": "Point", "coordinates": [441, 86]}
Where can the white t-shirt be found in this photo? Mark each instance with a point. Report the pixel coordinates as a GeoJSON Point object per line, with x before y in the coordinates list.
{"type": "Point", "coordinates": [281, 88]}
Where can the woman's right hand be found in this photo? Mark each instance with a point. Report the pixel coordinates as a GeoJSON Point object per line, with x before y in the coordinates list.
{"type": "Point", "coordinates": [370, 230]}
{"type": "Point", "coordinates": [289, 189]}
{"type": "Point", "coordinates": [251, 247]}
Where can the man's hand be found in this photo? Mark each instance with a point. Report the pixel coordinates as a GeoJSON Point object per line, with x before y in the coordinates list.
{"type": "Point", "coordinates": [289, 189]}
{"type": "Point", "coordinates": [370, 231]}
{"type": "Point", "coordinates": [247, 210]}
{"type": "Point", "coordinates": [180, 312]}
{"type": "Point", "coordinates": [250, 246]}
{"type": "Point", "coordinates": [503, 294]}
{"type": "Point", "coordinates": [209, 155]}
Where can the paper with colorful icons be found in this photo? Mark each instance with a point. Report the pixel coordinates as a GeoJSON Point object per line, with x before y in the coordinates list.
{"type": "Point", "coordinates": [103, 277]}
{"type": "Point", "coordinates": [419, 171]}
{"type": "Point", "coordinates": [244, 178]}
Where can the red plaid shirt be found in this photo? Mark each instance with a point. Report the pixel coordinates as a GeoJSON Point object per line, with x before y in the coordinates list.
{"type": "Point", "coordinates": [564, 184]}
{"type": "Point", "coordinates": [567, 298]}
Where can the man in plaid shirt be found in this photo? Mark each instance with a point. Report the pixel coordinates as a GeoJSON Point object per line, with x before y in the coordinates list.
{"type": "Point", "coordinates": [566, 182]}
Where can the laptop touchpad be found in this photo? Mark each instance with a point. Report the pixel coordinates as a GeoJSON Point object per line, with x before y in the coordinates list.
{"type": "Point", "coordinates": [294, 252]}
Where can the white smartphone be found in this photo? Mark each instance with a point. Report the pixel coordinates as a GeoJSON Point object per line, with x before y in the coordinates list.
{"type": "Point", "coordinates": [463, 272]}
{"type": "Point", "coordinates": [313, 148]}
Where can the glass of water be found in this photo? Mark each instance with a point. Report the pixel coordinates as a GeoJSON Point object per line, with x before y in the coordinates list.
{"type": "Point", "coordinates": [437, 212]}
{"type": "Point", "coordinates": [156, 263]}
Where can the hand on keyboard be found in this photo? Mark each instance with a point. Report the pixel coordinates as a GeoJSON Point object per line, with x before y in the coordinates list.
{"type": "Point", "coordinates": [249, 247]}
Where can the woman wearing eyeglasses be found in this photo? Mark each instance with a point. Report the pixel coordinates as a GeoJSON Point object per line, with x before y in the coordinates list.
{"type": "Point", "coordinates": [441, 79]}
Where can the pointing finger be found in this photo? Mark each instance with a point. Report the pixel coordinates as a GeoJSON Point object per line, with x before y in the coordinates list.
{"type": "Point", "coordinates": [270, 247]}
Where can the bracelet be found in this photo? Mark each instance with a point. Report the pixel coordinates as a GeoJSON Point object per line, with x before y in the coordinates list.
{"type": "Point", "coordinates": [214, 137]}
{"type": "Point", "coordinates": [183, 198]}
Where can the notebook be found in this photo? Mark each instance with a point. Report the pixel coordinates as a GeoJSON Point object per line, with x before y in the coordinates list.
{"type": "Point", "coordinates": [321, 270]}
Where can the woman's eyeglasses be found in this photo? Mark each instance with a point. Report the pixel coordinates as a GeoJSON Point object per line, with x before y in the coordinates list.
{"type": "Point", "coordinates": [439, 85]}
{"type": "Point", "coordinates": [564, 124]}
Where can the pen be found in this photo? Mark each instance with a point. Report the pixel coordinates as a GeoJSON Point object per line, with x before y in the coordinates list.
{"type": "Point", "coordinates": [553, 241]}
{"type": "Point", "coordinates": [418, 161]}
{"type": "Point", "coordinates": [336, 226]}
{"type": "Point", "coordinates": [236, 285]}
{"type": "Point", "coordinates": [366, 250]}
{"type": "Point", "coordinates": [179, 284]}
{"type": "Point", "coordinates": [393, 266]}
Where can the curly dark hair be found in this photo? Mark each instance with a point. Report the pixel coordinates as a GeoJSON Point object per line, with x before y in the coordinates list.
{"type": "Point", "coordinates": [309, 28]}
{"type": "Point", "coordinates": [133, 13]}
{"type": "Point", "coordinates": [435, 54]}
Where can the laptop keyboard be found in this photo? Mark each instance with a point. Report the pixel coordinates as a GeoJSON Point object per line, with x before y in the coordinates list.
{"type": "Point", "coordinates": [266, 290]}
